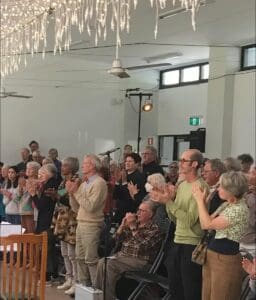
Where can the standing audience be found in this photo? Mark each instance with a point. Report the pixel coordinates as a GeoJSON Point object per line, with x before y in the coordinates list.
{"type": "Point", "coordinates": [26, 206]}
{"type": "Point", "coordinates": [10, 199]}
{"type": "Point", "coordinates": [41, 195]}
{"type": "Point", "coordinates": [222, 272]}
{"type": "Point", "coordinates": [90, 196]}
{"type": "Point", "coordinates": [66, 223]}
{"type": "Point", "coordinates": [184, 275]}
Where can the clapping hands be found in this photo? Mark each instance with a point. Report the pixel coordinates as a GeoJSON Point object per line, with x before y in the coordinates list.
{"type": "Point", "coordinates": [163, 193]}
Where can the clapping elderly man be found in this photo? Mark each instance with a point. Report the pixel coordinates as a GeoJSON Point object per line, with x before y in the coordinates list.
{"type": "Point", "coordinates": [141, 239]}
{"type": "Point", "coordinates": [90, 196]}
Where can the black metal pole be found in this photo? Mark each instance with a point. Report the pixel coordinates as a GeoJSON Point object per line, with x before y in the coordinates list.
{"type": "Point", "coordinates": [139, 123]}
{"type": "Point", "coordinates": [140, 95]}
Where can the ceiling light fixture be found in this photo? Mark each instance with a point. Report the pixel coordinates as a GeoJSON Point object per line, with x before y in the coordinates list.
{"type": "Point", "coordinates": [163, 56]}
{"type": "Point", "coordinates": [179, 10]}
{"type": "Point", "coordinates": [24, 24]}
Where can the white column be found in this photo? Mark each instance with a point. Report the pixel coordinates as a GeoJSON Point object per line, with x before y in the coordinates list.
{"type": "Point", "coordinates": [224, 62]}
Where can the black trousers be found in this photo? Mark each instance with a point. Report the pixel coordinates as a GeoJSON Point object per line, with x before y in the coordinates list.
{"type": "Point", "coordinates": [185, 277]}
{"type": "Point", "coordinates": [52, 256]}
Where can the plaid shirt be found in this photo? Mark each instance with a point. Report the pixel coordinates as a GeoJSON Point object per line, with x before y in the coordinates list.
{"type": "Point", "coordinates": [144, 244]}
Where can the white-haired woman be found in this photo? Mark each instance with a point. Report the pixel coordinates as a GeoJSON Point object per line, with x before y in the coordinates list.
{"type": "Point", "coordinates": [41, 192]}
{"type": "Point", "coordinates": [222, 272]}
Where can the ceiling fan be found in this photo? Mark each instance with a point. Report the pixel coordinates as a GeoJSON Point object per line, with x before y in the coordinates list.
{"type": "Point", "coordinates": [4, 94]}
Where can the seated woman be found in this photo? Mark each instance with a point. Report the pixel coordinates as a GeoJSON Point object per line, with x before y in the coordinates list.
{"type": "Point", "coordinates": [222, 272]}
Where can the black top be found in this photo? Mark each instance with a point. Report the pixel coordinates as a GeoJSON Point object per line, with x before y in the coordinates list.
{"type": "Point", "coordinates": [124, 202]}
{"type": "Point", "coordinates": [224, 246]}
{"type": "Point", "coordinates": [215, 202]}
{"type": "Point", "coordinates": [22, 165]}
{"type": "Point", "coordinates": [152, 168]}
{"type": "Point", "coordinates": [45, 206]}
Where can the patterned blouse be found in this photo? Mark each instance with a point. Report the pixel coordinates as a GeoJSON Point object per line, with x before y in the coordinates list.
{"type": "Point", "coordinates": [237, 215]}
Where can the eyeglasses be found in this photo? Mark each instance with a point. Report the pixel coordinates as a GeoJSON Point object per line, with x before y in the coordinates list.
{"type": "Point", "coordinates": [142, 210]}
{"type": "Point", "coordinates": [183, 160]}
{"type": "Point", "coordinates": [146, 153]}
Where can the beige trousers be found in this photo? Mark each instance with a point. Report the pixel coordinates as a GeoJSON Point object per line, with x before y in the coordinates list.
{"type": "Point", "coordinates": [87, 243]}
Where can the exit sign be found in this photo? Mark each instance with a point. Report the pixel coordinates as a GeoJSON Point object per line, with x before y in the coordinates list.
{"type": "Point", "coordinates": [195, 120]}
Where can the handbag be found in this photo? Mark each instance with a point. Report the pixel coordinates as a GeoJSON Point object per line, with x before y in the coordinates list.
{"type": "Point", "coordinates": [199, 253]}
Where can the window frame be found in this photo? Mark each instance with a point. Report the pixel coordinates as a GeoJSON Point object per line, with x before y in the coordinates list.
{"type": "Point", "coordinates": [180, 69]}
{"type": "Point", "coordinates": [243, 50]}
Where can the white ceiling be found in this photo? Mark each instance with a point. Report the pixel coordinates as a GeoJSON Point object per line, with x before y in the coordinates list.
{"type": "Point", "coordinates": [222, 23]}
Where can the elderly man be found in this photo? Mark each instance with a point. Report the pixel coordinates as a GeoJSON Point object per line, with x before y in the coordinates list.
{"type": "Point", "coordinates": [185, 277]}
{"type": "Point", "coordinates": [212, 171]}
{"type": "Point", "coordinates": [90, 196]}
{"type": "Point", "coordinates": [141, 241]}
{"type": "Point", "coordinates": [149, 162]}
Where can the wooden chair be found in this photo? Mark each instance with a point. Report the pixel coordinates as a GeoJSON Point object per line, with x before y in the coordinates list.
{"type": "Point", "coordinates": [24, 263]}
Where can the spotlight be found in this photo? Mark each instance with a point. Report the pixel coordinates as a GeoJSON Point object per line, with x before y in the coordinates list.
{"type": "Point", "coordinates": [148, 105]}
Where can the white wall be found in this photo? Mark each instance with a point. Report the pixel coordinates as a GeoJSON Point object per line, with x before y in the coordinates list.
{"type": "Point", "coordinates": [177, 104]}
{"type": "Point", "coordinates": [243, 129]}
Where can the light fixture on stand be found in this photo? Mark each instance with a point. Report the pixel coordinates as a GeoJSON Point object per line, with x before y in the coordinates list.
{"type": "Point", "coordinates": [148, 105]}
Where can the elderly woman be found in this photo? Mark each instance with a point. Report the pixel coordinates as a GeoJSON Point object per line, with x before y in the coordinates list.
{"type": "Point", "coordinates": [222, 273]}
{"type": "Point", "coordinates": [65, 226]}
{"type": "Point", "coordinates": [25, 202]}
{"type": "Point", "coordinates": [41, 195]}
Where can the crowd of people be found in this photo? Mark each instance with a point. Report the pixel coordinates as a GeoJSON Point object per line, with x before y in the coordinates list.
{"type": "Point", "coordinates": [195, 193]}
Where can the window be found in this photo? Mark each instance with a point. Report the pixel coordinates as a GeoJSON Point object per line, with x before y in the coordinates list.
{"type": "Point", "coordinates": [205, 72]}
{"type": "Point", "coordinates": [248, 59]}
{"type": "Point", "coordinates": [171, 77]}
{"type": "Point", "coordinates": [184, 75]}
{"type": "Point", "coordinates": [190, 74]}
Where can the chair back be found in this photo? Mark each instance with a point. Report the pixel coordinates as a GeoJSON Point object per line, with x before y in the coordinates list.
{"type": "Point", "coordinates": [24, 258]}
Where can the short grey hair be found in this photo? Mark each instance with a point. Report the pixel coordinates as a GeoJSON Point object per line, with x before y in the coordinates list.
{"type": "Point", "coordinates": [156, 179]}
{"type": "Point", "coordinates": [73, 163]}
{"type": "Point", "coordinates": [152, 150]}
{"type": "Point", "coordinates": [34, 165]}
{"type": "Point", "coordinates": [232, 164]}
{"type": "Point", "coordinates": [50, 168]}
{"type": "Point", "coordinates": [236, 183]}
{"type": "Point", "coordinates": [151, 204]}
{"type": "Point", "coordinates": [217, 165]}
{"type": "Point", "coordinates": [95, 160]}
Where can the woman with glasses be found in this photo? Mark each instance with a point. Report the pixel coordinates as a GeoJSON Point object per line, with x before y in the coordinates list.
{"type": "Point", "coordinates": [222, 272]}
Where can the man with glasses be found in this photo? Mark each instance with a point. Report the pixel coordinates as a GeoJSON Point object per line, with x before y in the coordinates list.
{"type": "Point", "coordinates": [185, 277]}
{"type": "Point", "coordinates": [141, 240]}
{"type": "Point", "coordinates": [149, 162]}
{"type": "Point", "coordinates": [212, 171]}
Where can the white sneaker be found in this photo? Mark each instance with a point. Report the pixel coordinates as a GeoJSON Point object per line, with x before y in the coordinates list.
{"type": "Point", "coordinates": [66, 285]}
{"type": "Point", "coordinates": [70, 291]}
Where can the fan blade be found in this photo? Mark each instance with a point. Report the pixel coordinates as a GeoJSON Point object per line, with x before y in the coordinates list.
{"type": "Point", "coordinates": [151, 66]}
{"type": "Point", "coordinates": [20, 96]}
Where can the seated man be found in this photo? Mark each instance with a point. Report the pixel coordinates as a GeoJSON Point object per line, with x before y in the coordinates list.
{"type": "Point", "coordinates": [141, 241]}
